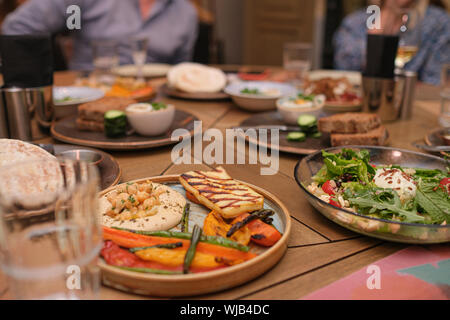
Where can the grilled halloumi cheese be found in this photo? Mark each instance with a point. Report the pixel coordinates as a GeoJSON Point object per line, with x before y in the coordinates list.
{"type": "Point", "coordinates": [221, 193]}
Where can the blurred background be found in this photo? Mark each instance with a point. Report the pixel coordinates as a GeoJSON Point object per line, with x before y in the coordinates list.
{"type": "Point", "coordinates": [237, 32]}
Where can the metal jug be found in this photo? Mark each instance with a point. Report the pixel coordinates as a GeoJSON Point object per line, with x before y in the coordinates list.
{"type": "Point", "coordinates": [29, 111]}
{"type": "Point", "coordinates": [391, 99]}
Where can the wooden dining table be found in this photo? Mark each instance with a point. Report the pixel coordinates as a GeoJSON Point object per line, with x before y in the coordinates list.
{"type": "Point", "coordinates": [319, 251]}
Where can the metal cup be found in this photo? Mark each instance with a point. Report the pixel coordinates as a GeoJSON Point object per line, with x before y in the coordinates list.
{"type": "Point", "coordinates": [3, 122]}
{"type": "Point", "coordinates": [391, 99]}
{"type": "Point", "coordinates": [29, 111]}
{"type": "Point", "coordinates": [379, 98]}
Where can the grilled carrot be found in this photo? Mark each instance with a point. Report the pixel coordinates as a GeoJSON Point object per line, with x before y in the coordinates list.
{"type": "Point", "coordinates": [261, 233]}
{"type": "Point", "coordinates": [130, 240]}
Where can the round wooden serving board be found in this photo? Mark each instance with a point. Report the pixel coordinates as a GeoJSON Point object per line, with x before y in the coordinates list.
{"type": "Point", "coordinates": [194, 96]}
{"type": "Point", "coordinates": [65, 130]}
{"type": "Point", "coordinates": [207, 282]}
{"type": "Point", "coordinates": [310, 145]}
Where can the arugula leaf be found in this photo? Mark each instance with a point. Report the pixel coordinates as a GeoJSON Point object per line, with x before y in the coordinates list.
{"type": "Point", "coordinates": [434, 202]}
{"type": "Point", "coordinates": [384, 202]}
{"type": "Point", "coordinates": [348, 162]}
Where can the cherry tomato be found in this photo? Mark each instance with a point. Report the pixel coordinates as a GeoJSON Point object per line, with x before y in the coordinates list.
{"type": "Point", "coordinates": [328, 188]}
{"type": "Point", "coordinates": [334, 203]}
{"type": "Point", "coordinates": [373, 166]}
{"type": "Point", "coordinates": [445, 183]}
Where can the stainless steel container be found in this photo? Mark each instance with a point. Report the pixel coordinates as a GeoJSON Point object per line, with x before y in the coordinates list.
{"type": "Point", "coordinates": [29, 111]}
{"type": "Point", "coordinates": [3, 121]}
{"type": "Point", "coordinates": [379, 97]}
{"type": "Point", "coordinates": [391, 99]}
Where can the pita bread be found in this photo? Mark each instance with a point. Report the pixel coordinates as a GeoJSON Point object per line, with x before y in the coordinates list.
{"type": "Point", "coordinates": [195, 77]}
{"type": "Point", "coordinates": [169, 212]}
{"type": "Point", "coordinates": [31, 181]}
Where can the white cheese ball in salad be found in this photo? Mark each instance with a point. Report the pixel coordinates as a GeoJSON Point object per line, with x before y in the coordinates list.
{"type": "Point", "coordinates": [398, 180]}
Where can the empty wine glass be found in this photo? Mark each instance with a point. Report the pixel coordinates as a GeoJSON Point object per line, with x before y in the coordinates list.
{"type": "Point", "coordinates": [139, 51]}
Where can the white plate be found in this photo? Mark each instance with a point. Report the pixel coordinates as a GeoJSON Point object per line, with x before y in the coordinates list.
{"type": "Point", "coordinates": [150, 70]}
{"type": "Point", "coordinates": [77, 95]}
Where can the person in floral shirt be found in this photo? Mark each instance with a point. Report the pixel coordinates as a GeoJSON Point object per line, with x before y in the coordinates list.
{"type": "Point", "coordinates": [434, 48]}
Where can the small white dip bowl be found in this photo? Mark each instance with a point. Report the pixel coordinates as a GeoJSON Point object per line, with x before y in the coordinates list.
{"type": "Point", "coordinates": [149, 122]}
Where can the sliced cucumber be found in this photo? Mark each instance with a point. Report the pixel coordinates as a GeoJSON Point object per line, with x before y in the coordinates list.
{"type": "Point", "coordinates": [296, 136]}
{"type": "Point", "coordinates": [307, 121]}
{"type": "Point", "coordinates": [316, 135]}
{"type": "Point", "coordinates": [115, 122]}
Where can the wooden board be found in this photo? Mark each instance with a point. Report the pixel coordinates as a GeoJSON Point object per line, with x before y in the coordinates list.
{"type": "Point", "coordinates": [200, 283]}
{"type": "Point", "coordinates": [108, 168]}
{"type": "Point", "coordinates": [308, 146]}
{"type": "Point", "coordinates": [194, 96]}
{"type": "Point", "coordinates": [65, 130]}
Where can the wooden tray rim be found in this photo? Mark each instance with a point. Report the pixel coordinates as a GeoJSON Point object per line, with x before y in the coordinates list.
{"type": "Point", "coordinates": [116, 145]}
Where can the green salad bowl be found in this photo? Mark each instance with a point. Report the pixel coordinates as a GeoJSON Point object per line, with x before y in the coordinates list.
{"type": "Point", "coordinates": [414, 233]}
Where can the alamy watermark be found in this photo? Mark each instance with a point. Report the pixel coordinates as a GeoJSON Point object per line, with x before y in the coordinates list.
{"type": "Point", "coordinates": [234, 140]}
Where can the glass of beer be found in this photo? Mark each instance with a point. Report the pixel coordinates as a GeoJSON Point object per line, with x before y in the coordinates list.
{"type": "Point", "coordinates": [50, 230]}
{"type": "Point", "coordinates": [409, 37]}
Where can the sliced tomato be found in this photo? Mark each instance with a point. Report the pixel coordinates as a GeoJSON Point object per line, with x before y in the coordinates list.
{"type": "Point", "coordinates": [445, 183]}
{"type": "Point", "coordinates": [328, 188]}
{"type": "Point", "coordinates": [335, 203]}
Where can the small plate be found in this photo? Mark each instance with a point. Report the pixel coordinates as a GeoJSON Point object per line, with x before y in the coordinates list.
{"type": "Point", "coordinates": [201, 283]}
{"type": "Point", "coordinates": [175, 93]}
{"type": "Point", "coordinates": [108, 167]}
{"type": "Point", "coordinates": [75, 95]}
{"type": "Point", "coordinates": [149, 70]}
{"type": "Point", "coordinates": [435, 138]}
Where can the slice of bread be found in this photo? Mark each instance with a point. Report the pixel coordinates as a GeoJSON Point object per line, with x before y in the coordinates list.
{"type": "Point", "coordinates": [89, 125]}
{"type": "Point", "coordinates": [219, 192]}
{"type": "Point", "coordinates": [350, 122]}
{"type": "Point", "coordinates": [96, 110]}
{"type": "Point", "coordinates": [375, 137]}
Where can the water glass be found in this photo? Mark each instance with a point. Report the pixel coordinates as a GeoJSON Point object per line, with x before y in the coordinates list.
{"type": "Point", "coordinates": [297, 61]}
{"type": "Point", "coordinates": [106, 58]}
{"type": "Point", "coordinates": [50, 230]}
{"type": "Point", "coordinates": [444, 118]}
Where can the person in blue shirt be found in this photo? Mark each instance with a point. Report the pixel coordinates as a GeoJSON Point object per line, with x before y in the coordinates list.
{"type": "Point", "coordinates": [434, 48]}
{"type": "Point", "coordinates": [170, 27]}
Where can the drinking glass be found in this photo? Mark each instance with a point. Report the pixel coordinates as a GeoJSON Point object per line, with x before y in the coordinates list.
{"type": "Point", "coordinates": [297, 60]}
{"type": "Point", "coordinates": [106, 58]}
{"type": "Point", "coordinates": [444, 118]}
{"type": "Point", "coordinates": [50, 230]}
{"type": "Point", "coordinates": [409, 36]}
{"type": "Point", "coordinates": [139, 51]}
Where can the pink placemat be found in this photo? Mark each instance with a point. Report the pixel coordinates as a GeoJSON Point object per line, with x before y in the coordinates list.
{"type": "Point", "coordinates": [412, 273]}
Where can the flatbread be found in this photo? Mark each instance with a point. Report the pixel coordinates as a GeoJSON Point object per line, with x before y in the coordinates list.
{"type": "Point", "coordinates": [169, 212]}
{"type": "Point", "coordinates": [195, 77]}
{"type": "Point", "coordinates": [36, 180]}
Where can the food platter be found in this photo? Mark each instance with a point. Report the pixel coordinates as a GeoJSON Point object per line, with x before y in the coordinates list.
{"type": "Point", "coordinates": [172, 92]}
{"type": "Point", "coordinates": [371, 225]}
{"type": "Point", "coordinates": [308, 146]}
{"type": "Point", "coordinates": [435, 138]}
{"type": "Point", "coordinates": [200, 283]}
{"type": "Point", "coordinates": [108, 167]}
{"type": "Point", "coordinates": [353, 78]}
{"type": "Point", "coordinates": [65, 130]}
